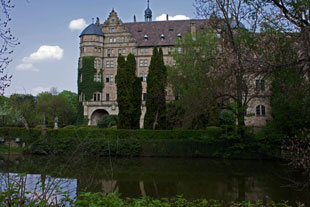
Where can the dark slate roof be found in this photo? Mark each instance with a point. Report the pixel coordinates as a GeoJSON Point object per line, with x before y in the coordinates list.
{"type": "Point", "coordinates": [148, 11]}
{"type": "Point", "coordinates": [92, 29]}
{"type": "Point", "coordinates": [154, 30]}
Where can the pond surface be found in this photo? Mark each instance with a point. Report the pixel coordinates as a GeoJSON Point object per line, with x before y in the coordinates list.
{"type": "Point", "coordinates": [229, 180]}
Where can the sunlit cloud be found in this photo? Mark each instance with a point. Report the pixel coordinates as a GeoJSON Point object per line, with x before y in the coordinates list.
{"type": "Point", "coordinates": [163, 17]}
{"type": "Point", "coordinates": [45, 52]}
{"type": "Point", "coordinates": [77, 24]}
{"type": "Point", "coordinates": [26, 67]}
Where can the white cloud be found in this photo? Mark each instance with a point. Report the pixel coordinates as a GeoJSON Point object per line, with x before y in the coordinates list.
{"type": "Point", "coordinates": [45, 52]}
{"type": "Point", "coordinates": [26, 67]}
{"type": "Point", "coordinates": [37, 90]}
{"type": "Point", "coordinates": [77, 24]}
{"type": "Point", "coordinates": [163, 17]}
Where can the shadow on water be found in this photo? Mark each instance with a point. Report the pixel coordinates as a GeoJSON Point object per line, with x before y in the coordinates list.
{"type": "Point", "coordinates": [229, 180]}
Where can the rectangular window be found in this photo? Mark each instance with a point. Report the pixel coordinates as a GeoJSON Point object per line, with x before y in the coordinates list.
{"type": "Point", "coordinates": [144, 51]}
{"type": "Point", "coordinates": [111, 78]}
{"type": "Point", "coordinates": [141, 62]}
{"type": "Point", "coordinates": [144, 97]}
{"type": "Point", "coordinates": [141, 77]}
{"type": "Point", "coordinates": [262, 85]}
{"type": "Point", "coordinates": [144, 77]}
{"type": "Point", "coordinates": [145, 63]}
{"type": "Point", "coordinates": [107, 78]}
{"type": "Point", "coordinates": [95, 97]}
{"type": "Point", "coordinates": [110, 64]}
{"type": "Point", "coordinates": [107, 97]}
{"type": "Point", "coordinates": [98, 97]}
{"type": "Point", "coordinates": [120, 51]}
{"type": "Point", "coordinates": [98, 77]}
{"type": "Point", "coordinates": [111, 40]}
{"type": "Point", "coordinates": [263, 110]}
{"type": "Point", "coordinates": [257, 84]}
{"type": "Point", "coordinates": [112, 30]}
{"type": "Point", "coordinates": [134, 50]}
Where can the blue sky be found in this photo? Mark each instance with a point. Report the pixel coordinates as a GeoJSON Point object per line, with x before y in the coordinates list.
{"type": "Point", "coordinates": [49, 50]}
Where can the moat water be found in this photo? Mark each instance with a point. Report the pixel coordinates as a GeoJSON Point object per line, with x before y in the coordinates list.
{"type": "Point", "coordinates": [229, 180]}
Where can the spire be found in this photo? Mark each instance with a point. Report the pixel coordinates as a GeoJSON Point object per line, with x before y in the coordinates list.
{"type": "Point", "coordinates": [148, 12]}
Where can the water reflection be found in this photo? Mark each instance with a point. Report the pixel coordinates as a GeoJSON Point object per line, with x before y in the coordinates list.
{"type": "Point", "coordinates": [38, 187]}
{"type": "Point", "coordinates": [228, 180]}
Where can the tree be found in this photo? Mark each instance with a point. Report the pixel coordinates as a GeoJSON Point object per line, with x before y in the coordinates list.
{"type": "Point", "coordinates": [155, 117]}
{"type": "Point", "coordinates": [25, 105]}
{"type": "Point", "coordinates": [239, 55]}
{"type": "Point", "coordinates": [71, 101]}
{"type": "Point", "coordinates": [194, 79]}
{"type": "Point", "coordinates": [129, 91]}
{"type": "Point", "coordinates": [8, 41]}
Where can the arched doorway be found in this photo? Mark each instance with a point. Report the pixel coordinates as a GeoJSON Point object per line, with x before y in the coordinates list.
{"type": "Point", "coordinates": [97, 115]}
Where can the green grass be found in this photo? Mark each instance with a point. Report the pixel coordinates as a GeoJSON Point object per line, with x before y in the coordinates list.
{"type": "Point", "coordinates": [6, 149]}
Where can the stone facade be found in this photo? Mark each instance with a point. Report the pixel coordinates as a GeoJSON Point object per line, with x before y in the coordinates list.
{"type": "Point", "coordinates": [115, 37]}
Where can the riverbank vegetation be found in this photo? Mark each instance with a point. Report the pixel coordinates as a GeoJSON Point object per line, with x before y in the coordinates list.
{"type": "Point", "coordinates": [114, 200]}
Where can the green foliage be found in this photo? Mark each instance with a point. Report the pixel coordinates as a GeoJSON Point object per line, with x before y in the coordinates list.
{"type": "Point", "coordinates": [129, 91]}
{"type": "Point", "coordinates": [187, 143]}
{"type": "Point", "coordinates": [214, 132]}
{"type": "Point", "coordinates": [155, 117]}
{"type": "Point", "coordinates": [108, 121]}
{"type": "Point", "coordinates": [195, 58]}
{"type": "Point", "coordinates": [86, 83]}
{"type": "Point", "coordinates": [114, 199]}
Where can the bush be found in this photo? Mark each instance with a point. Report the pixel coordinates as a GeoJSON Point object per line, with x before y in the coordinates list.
{"type": "Point", "coordinates": [108, 121]}
{"type": "Point", "coordinates": [214, 132]}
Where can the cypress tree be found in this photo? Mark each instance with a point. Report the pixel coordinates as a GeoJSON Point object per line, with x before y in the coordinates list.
{"type": "Point", "coordinates": [136, 99]}
{"type": "Point", "coordinates": [128, 93]}
{"type": "Point", "coordinates": [155, 117]}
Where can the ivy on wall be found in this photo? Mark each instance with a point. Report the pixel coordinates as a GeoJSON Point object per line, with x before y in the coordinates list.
{"type": "Point", "coordinates": [87, 85]}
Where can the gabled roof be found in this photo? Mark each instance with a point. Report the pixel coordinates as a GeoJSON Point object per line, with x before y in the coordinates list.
{"type": "Point", "coordinates": [154, 30]}
{"type": "Point", "coordinates": [92, 29]}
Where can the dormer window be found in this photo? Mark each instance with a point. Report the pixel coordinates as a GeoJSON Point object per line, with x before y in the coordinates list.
{"type": "Point", "coordinates": [162, 36]}
{"type": "Point", "coordinates": [146, 37]}
{"type": "Point", "coordinates": [179, 35]}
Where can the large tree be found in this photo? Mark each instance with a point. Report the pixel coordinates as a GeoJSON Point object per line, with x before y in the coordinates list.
{"type": "Point", "coordinates": [155, 117]}
{"type": "Point", "coordinates": [239, 55]}
{"type": "Point", "coordinates": [194, 78]}
{"type": "Point", "coordinates": [129, 91]}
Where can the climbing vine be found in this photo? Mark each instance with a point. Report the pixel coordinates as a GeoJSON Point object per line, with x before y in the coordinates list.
{"type": "Point", "coordinates": [87, 85]}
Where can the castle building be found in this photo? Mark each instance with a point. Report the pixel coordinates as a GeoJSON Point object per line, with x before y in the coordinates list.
{"type": "Point", "coordinates": [106, 41]}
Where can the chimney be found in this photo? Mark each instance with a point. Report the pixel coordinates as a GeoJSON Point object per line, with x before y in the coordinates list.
{"type": "Point", "coordinates": [97, 21]}
{"type": "Point", "coordinates": [167, 17]}
{"type": "Point", "coordinates": [193, 27]}
{"type": "Point", "coordinates": [134, 18]}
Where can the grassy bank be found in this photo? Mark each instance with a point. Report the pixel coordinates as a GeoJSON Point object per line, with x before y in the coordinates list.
{"type": "Point", "coordinates": [159, 143]}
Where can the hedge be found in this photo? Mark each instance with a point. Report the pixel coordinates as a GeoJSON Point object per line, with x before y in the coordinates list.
{"type": "Point", "coordinates": [105, 142]}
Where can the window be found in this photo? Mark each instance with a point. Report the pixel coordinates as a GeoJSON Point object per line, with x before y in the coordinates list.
{"type": "Point", "coordinates": [97, 77]}
{"type": "Point", "coordinates": [120, 51]}
{"type": "Point", "coordinates": [141, 77]}
{"type": "Point", "coordinates": [144, 51]}
{"type": "Point", "coordinates": [260, 85]}
{"type": "Point", "coordinates": [162, 36]}
{"type": "Point", "coordinates": [170, 50]}
{"type": "Point", "coordinates": [97, 63]}
{"type": "Point", "coordinates": [110, 64]}
{"type": "Point", "coordinates": [109, 78]}
{"type": "Point", "coordinates": [107, 97]}
{"type": "Point", "coordinates": [143, 63]}
{"type": "Point", "coordinates": [109, 52]}
{"type": "Point", "coordinates": [112, 39]}
{"type": "Point", "coordinates": [96, 97]}
{"type": "Point", "coordinates": [134, 50]}
{"type": "Point", "coordinates": [144, 77]}
{"type": "Point", "coordinates": [260, 110]}
{"type": "Point", "coordinates": [144, 97]}
{"type": "Point", "coordinates": [112, 30]}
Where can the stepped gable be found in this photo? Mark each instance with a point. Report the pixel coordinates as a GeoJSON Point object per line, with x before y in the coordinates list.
{"type": "Point", "coordinates": [154, 30]}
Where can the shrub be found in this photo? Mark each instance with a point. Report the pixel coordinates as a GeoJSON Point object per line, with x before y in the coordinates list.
{"type": "Point", "coordinates": [214, 132]}
{"type": "Point", "coordinates": [108, 121]}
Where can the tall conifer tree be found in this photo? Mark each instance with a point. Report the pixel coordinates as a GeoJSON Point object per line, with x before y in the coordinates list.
{"type": "Point", "coordinates": [155, 117]}
{"type": "Point", "coordinates": [129, 92]}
